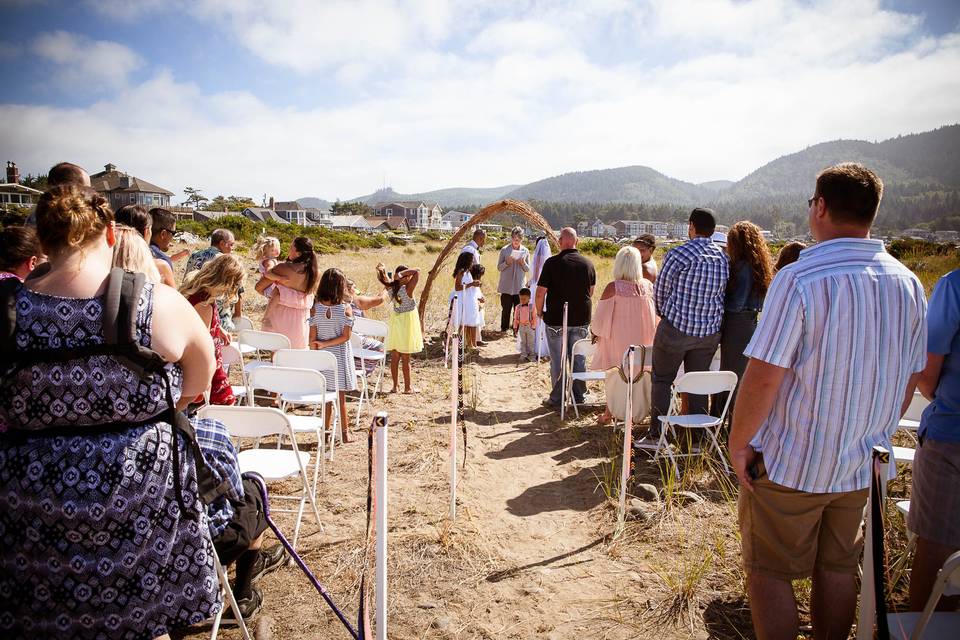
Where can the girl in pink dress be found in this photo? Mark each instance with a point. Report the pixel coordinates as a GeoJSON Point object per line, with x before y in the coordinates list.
{"type": "Point", "coordinates": [625, 315]}
{"type": "Point", "coordinates": [296, 282]}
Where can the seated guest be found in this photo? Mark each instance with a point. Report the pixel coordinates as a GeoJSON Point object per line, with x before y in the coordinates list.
{"type": "Point", "coordinates": [131, 253]}
{"type": "Point", "coordinates": [164, 228]}
{"type": "Point", "coordinates": [19, 251]}
{"type": "Point", "coordinates": [136, 216]}
{"type": "Point", "coordinates": [218, 278]}
{"type": "Point", "coordinates": [626, 314]}
{"type": "Point", "coordinates": [106, 498]}
{"type": "Point", "coordinates": [221, 241]}
{"type": "Point", "coordinates": [935, 500]}
{"type": "Point", "coordinates": [236, 520]}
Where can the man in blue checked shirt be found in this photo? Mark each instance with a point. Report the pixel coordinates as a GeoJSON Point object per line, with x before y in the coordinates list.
{"type": "Point", "coordinates": [236, 520]}
{"type": "Point", "coordinates": [833, 363]}
{"type": "Point", "coordinates": [689, 294]}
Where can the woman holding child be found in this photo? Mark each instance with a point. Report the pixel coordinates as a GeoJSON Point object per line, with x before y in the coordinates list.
{"type": "Point", "coordinates": [295, 281]}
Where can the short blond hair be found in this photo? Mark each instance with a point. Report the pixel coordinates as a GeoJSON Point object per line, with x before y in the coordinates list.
{"type": "Point", "coordinates": [628, 265]}
{"type": "Point", "coordinates": [131, 253]}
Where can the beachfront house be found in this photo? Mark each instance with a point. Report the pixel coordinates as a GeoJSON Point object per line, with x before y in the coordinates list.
{"type": "Point", "coordinates": [419, 214]}
{"type": "Point", "coordinates": [120, 188]}
{"type": "Point", "coordinates": [456, 219]}
{"type": "Point", "coordinates": [262, 214]}
{"type": "Point", "coordinates": [352, 223]}
{"type": "Point", "coordinates": [14, 194]}
{"type": "Point", "coordinates": [395, 223]}
{"type": "Point", "coordinates": [596, 229]}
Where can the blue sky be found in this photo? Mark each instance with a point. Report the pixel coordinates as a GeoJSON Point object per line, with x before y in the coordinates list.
{"type": "Point", "coordinates": [327, 98]}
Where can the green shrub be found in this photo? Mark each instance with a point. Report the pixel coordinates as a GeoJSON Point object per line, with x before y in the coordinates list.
{"type": "Point", "coordinates": [598, 247]}
{"type": "Point", "coordinates": [324, 240]}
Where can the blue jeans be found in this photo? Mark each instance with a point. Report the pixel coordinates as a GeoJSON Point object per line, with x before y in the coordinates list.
{"type": "Point", "coordinates": [555, 345]}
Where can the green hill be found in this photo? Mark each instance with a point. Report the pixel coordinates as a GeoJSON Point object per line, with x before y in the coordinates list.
{"type": "Point", "coordinates": [623, 184]}
{"type": "Point", "coordinates": [451, 197]}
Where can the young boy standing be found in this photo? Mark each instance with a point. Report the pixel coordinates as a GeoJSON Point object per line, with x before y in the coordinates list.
{"type": "Point", "coordinates": [525, 325]}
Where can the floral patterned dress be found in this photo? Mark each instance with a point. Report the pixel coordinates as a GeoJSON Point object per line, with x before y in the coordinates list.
{"type": "Point", "coordinates": [94, 541]}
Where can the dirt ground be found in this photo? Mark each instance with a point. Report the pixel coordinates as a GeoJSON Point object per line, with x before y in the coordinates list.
{"type": "Point", "coordinates": [531, 553]}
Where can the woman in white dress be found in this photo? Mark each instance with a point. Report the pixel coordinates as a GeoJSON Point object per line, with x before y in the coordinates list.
{"type": "Point", "coordinates": [540, 254]}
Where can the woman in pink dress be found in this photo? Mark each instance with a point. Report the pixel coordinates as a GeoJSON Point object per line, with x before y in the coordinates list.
{"type": "Point", "coordinates": [625, 315]}
{"type": "Point", "coordinates": [296, 282]}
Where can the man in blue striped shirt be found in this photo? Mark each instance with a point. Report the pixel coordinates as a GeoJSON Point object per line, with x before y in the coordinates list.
{"type": "Point", "coordinates": [833, 364]}
{"type": "Point", "coordinates": [689, 296]}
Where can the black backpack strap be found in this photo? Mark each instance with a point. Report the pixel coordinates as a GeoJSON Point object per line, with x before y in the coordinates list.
{"type": "Point", "coordinates": [120, 306]}
{"type": "Point", "coordinates": [8, 314]}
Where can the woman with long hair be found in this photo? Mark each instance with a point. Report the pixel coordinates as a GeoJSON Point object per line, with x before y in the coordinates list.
{"type": "Point", "coordinates": [751, 270]}
{"type": "Point", "coordinates": [109, 505]}
{"type": "Point", "coordinates": [131, 253]}
{"type": "Point", "coordinates": [296, 283]}
{"type": "Point", "coordinates": [219, 278]}
{"type": "Point", "coordinates": [137, 217]}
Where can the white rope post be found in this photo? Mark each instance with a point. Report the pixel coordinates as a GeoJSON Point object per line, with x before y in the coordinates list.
{"type": "Point", "coordinates": [627, 441]}
{"type": "Point", "coordinates": [563, 362]}
{"type": "Point", "coordinates": [380, 435]}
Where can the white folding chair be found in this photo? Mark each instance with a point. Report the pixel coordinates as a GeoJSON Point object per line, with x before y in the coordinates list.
{"type": "Point", "coordinates": [911, 419]}
{"type": "Point", "coordinates": [298, 383]}
{"type": "Point", "coordinates": [928, 623]}
{"type": "Point", "coordinates": [696, 383]}
{"type": "Point", "coordinates": [242, 323]}
{"type": "Point", "coordinates": [369, 328]}
{"type": "Point", "coordinates": [325, 363]}
{"type": "Point", "coordinates": [229, 598]}
{"type": "Point", "coordinates": [259, 343]}
{"type": "Point", "coordinates": [586, 349]}
{"type": "Point", "coordinates": [272, 464]}
{"type": "Point", "coordinates": [231, 356]}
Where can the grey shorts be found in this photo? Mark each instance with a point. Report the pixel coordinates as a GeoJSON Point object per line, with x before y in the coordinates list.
{"type": "Point", "coordinates": [935, 498]}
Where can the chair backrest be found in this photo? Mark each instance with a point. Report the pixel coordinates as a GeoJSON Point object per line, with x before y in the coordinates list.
{"type": "Point", "coordinates": [249, 422]}
{"type": "Point", "coordinates": [318, 360]}
{"type": "Point", "coordinates": [917, 404]}
{"type": "Point", "coordinates": [705, 382]}
{"type": "Point", "coordinates": [230, 355]}
{"type": "Point", "coordinates": [356, 341]}
{"type": "Point", "coordinates": [264, 340]}
{"type": "Point", "coordinates": [242, 323]}
{"type": "Point", "coordinates": [583, 348]}
{"type": "Point", "coordinates": [287, 380]}
{"type": "Point", "coordinates": [370, 327]}
{"type": "Point", "coordinates": [642, 357]}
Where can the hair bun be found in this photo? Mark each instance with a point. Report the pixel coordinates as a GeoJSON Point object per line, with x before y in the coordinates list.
{"type": "Point", "coordinates": [70, 216]}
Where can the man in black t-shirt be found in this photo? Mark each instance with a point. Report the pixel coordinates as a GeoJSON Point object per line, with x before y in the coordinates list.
{"type": "Point", "coordinates": [570, 278]}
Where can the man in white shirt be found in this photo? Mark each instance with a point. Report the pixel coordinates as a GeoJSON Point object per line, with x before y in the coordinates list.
{"type": "Point", "coordinates": [476, 245]}
{"type": "Point", "coordinates": [833, 364]}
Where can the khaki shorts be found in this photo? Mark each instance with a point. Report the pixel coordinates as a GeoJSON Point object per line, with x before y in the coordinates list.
{"type": "Point", "coordinates": [787, 533]}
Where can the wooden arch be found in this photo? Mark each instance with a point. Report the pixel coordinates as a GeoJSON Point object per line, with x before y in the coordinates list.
{"type": "Point", "coordinates": [518, 207]}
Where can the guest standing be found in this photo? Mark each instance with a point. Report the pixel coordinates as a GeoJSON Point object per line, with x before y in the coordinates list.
{"type": "Point", "coordinates": [689, 294]}
{"type": "Point", "coordinates": [832, 368]}
{"type": "Point", "coordinates": [751, 271]}
{"type": "Point", "coordinates": [403, 335]}
{"type": "Point", "coordinates": [789, 253]}
{"type": "Point", "coordinates": [104, 497]}
{"type": "Point", "coordinates": [935, 500]}
{"type": "Point", "coordinates": [295, 281]}
{"type": "Point", "coordinates": [330, 328]}
{"type": "Point", "coordinates": [513, 265]}
{"type": "Point", "coordinates": [216, 279]}
{"type": "Point", "coordinates": [566, 278]}
{"type": "Point", "coordinates": [164, 226]}
{"type": "Point", "coordinates": [646, 244]}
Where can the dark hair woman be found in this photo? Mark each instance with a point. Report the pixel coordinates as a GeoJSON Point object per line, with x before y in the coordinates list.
{"type": "Point", "coordinates": [100, 435]}
{"type": "Point", "coordinates": [289, 306]}
{"type": "Point", "coordinates": [19, 251]}
{"type": "Point", "coordinates": [751, 270]}
{"type": "Point", "coordinates": [789, 254]}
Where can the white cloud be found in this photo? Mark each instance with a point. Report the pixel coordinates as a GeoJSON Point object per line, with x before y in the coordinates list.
{"type": "Point", "coordinates": [478, 94]}
{"type": "Point", "coordinates": [82, 63]}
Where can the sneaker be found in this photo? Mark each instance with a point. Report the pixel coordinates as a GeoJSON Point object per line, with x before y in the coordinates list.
{"type": "Point", "coordinates": [268, 560]}
{"type": "Point", "coordinates": [647, 442]}
{"type": "Point", "coordinates": [249, 607]}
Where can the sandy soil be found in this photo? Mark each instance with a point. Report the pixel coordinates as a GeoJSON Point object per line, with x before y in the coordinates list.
{"type": "Point", "coordinates": [531, 552]}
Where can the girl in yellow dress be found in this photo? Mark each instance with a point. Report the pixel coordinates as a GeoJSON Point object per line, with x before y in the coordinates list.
{"type": "Point", "coordinates": [403, 335]}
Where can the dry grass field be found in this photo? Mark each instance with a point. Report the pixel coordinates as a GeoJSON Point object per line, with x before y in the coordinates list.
{"type": "Point", "coordinates": [533, 552]}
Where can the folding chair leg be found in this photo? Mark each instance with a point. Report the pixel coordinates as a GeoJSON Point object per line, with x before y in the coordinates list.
{"type": "Point", "coordinates": [363, 395]}
{"type": "Point", "coordinates": [231, 600]}
{"type": "Point", "coordinates": [376, 387]}
{"type": "Point", "coordinates": [716, 447]}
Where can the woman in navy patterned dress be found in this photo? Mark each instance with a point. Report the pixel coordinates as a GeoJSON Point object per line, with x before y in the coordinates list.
{"type": "Point", "coordinates": [94, 541]}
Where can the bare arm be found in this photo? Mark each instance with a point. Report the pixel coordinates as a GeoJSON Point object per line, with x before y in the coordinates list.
{"type": "Point", "coordinates": [179, 335]}
{"type": "Point", "coordinates": [409, 278]}
{"type": "Point", "coordinates": [760, 384]}
{"type": "Point", "coordinates": [166, 273]}
{"type": "Point", "coordinates": [180, 255]}
{"type": "Point", "coordinates": [368, 302]}
{"type": "Point", "coordinates": [929, 378]}
{"type": "Point", "coordinates": [541, 297]}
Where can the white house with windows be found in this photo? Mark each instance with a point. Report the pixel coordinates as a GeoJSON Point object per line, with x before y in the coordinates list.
{"type": "Point", "coordinates": [353, 223]}
{"type": "Point", "coordinates": [419, 214]}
